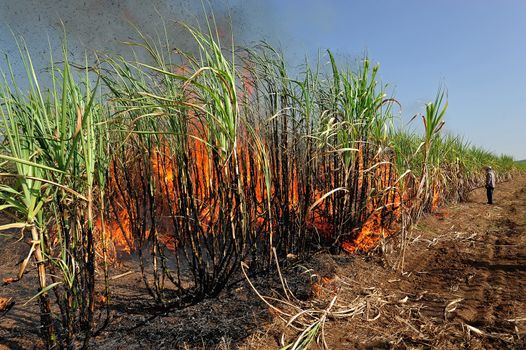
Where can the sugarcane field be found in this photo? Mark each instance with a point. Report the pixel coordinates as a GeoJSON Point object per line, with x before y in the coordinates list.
{"type": "Point", "coordinates": [242, 174]}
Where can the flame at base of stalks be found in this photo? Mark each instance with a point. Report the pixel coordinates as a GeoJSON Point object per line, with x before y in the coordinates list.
{"type": "Point", "coordinates": [369, 236]}
{"type": "Point", "coordinates": [118, 232]}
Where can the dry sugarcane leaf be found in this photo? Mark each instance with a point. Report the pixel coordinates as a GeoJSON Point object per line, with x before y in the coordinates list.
{"type": "Point", "coordinates": [26, 261]}
{"type": "Point", "coordinates": [452, 306]}
{"type": "Point", "coordinates": [326, 195]}
{"type": "Point", "coordinates": [403, 300]}
{"type": "Point", "coordinates": [473, 329]}
{"type": "Point", "coordinates": [78, 125]}
{"type": "Point", "coordinates": [12, 226]}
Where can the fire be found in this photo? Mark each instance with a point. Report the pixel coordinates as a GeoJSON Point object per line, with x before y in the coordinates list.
{"type": "Point", "coordinates": [196, 171]}
{"type": "Point", "coordinates": [381, 210]}
{"type": "Point", "coordinates": [202, 174]}
{"type": "Point", "coordinates": [119, 231]}
{"type": "Point", "coordinates": [370, 234]}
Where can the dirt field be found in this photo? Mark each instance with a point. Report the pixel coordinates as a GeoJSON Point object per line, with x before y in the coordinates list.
{"type": "Point", "coordinates": [463, 286]}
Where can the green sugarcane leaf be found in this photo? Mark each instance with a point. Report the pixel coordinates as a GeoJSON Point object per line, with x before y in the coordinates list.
{"type": "Point", "coordinates": [27, 162]}
{"type": "Point", "coordinates": [43, 291]}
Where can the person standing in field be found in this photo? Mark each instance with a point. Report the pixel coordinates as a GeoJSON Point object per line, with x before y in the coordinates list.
{"type": "Point", "coordinates": [490, 183]}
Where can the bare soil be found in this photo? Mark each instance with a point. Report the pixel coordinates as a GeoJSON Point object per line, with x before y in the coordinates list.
{"type": "Point", "coordinates": [463, 286]}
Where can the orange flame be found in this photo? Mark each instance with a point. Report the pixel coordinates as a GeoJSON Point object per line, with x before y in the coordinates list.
{"type": "Point", "coordinates": [369, 236]}
{"type": "Point", "coordinates": [119, 231]}
{"type": "Point", "coordinates": [378, 209]}
{"type": "Point", "coordinates": [201, 172]}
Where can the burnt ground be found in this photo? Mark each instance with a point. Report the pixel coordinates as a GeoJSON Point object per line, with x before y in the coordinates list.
{"type": "Point", "coordinates": [462, 286]}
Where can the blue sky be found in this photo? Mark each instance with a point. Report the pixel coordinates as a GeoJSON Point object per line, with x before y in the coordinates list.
{"type": "Point", "coordinates": [476, 48]}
